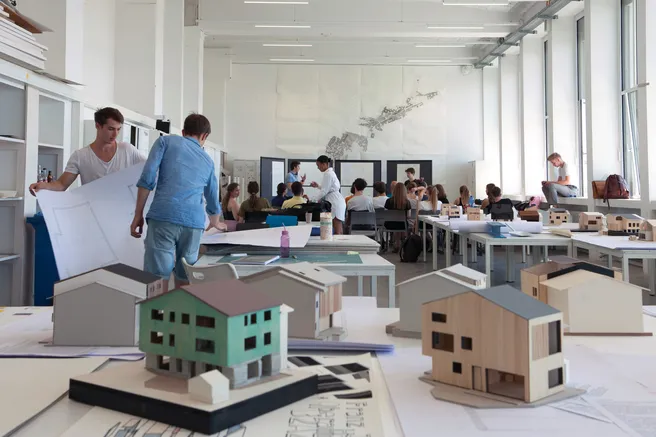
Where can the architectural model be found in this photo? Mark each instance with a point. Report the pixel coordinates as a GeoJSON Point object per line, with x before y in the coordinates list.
{"type": "Point", "coordinates": [558, 216]}
{"type": "Point", "coordinates": [474, 213]}
{"type": "Point", "coordinates": [98, 308]}
{"type": "Point", "coordinates": [591, 221]}
{"type": "Point", "coordinates": [496, 341]}
{"type": "Point", "coordinates": [450, 210]}
{"type": "Point", "coordinates": [530, 215]}
{"type": "Point", "coordinates": [628, 223]}
{"type": "Point", "coordinates": [595, 303]}
{"type": "Point", "coordinates": [414, 292]}
{"type": "Point", "coordinates": [213, 354]}
{"type": "Point", "coordinates": [314, 292]}
{"type": "Point", "coordinates": [647, 231]}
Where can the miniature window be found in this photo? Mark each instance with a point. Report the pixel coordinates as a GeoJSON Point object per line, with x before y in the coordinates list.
{"type": "Point", "coordinates": [185, 319]}
{"type": "Point", "coordinates": [253, 319]}
{"type": "Point", "coordinates": [250, 343]}
{"type": "Point", "coordinates": [172, 317]}
{"type": "Point", "coordinates": [535, 292]}
{"type": "Point", "coordinates": [171, 340]}
{"type": "Point", "coordinates": [555, 377]}
{"type": "Point", "coordinates": [163, 363]}
{"type": "Point", "coordinates": [267, 315]}
{"type": "Point", "coordinates": [157, 314]}
{"type": "Point", "coordinates": [267, 338]}
{"type": "Point", "coordinates": [457, 367]}
{"type": "Point", "coordinates": [178, 365]}
{"type": "Point", "coordinates": [466, 343]}
{"type": "Point", "coordinates": [439, 317]}
{"type": "Point", "coordinates": [592, 222]}
{"type": "Point", "coordinates": [206, 346]}
{"type": "Point", "coordinates": [156, 337]}
{"type": "Point", "coordinates": [245, 320]}
{"type": "Point", "coordinates": [554, 337]}
{"type": "Point", "coordinates": [205, 322]}
{"type": "Point", "coordinates": [443, 342]}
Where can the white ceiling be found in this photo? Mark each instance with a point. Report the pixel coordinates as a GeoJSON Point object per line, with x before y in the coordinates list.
{"type": "Point", "coordinates": [359, 31]}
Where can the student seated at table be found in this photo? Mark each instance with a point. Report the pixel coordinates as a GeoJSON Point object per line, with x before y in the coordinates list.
{"type": "Point", "coordinates": [496, 198]}
{"type": "Point", "coordinates": [380, 195]}
{"type": "Point", "coordinates": [392, 185]}
{"type": "Point", "coordinates": [432, 204]}
{"type": "Point", "coordinates": [229, 204]}
{"type": "Point", "coordinates": [398, 202]}
{"type": "Point", "coordinates": [254, 202]}
{"type": "Point", "coordinates": [415, 194]}
{"type": "Point", "coordinates": [441, 194]}
{"type": "Point", "coordinates": [352, 193]}
{"type": "Point", "coordinates": [360, 201]}
{"type": "Point", "coordinates": [278, 200]}
{"type": "Point", "coordinates": [465, 200]}
{"type": "Point", "coordinates": [488, 190]}
{"type": "Point", "coordinates": [298, 199]}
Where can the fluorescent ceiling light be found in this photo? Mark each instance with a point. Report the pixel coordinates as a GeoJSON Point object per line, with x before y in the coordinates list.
{"type": "Point", "coordinates": [431, 61]}
{"type": "Point", "coordinates": [478, 3]}
{"type": "Point", "coordinates": [440, 46]}
{"type": "Point", "coordinates": [291, 60]}
{"type": "Point", "coordinates": [263, 2]}
{"type": "Point", "coordinates": [286, 45]}
{"type": "Point", "coordinates": [283, 26]}
{"type": "Point", "coordinates": [457, 27]}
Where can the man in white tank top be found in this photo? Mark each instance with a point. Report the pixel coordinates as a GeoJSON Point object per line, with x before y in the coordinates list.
{"type": "Point", "coordinates": [102, 157]}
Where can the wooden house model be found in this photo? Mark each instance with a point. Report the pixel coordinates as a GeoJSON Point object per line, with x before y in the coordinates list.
{"type": "Point", "coordinates": [497, 341]}
{"type": "Point", "coordinates": [558, 216]}
{"type": "Point", "coordinates": [474, 213]}
{"type": "Point", "coordinates": [530, 215]}
{"type": "Point", "coordinates": [595, 303]}
{"type": "Point", "coordinates": [629, 223]}
{"type": "Point", "coordinates": [226, 325]}
{"type": "Point", "coordinates": [591, 221]}
{"type": "Point", "coordinates": [414, 292]}
{"type": "Point", "coordinates": [314, 292]}
{"type": "Point", "coordinates": [98, 308]}
{"type": "Point", "coordinates": [647, 228]}
{"type": "Point", "coordinates": [450, 210]}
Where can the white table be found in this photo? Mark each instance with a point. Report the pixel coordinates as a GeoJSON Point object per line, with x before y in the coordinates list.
{"type": "Point", "coordinates": [372, 265]}
{"type": "Point", "coordinates": [339, 244]}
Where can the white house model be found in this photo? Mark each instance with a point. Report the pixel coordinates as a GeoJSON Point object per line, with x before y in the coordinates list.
{"type": "Point", "coordinates": [414, 292]}
{"type": "Point", "coordinates": [314, 293]}
{"type": "Point", "coordinates": [284, 334]}
{"type": "Point", "coordinates": [596, 304]}
{"type": "Point", "coordinates": [210, 387]}
{"type": "Point", "coordinates": [98, 308]}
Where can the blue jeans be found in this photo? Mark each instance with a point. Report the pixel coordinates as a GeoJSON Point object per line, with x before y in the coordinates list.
{"type": "Point", "coordinates": [166, 245]}
{"type": "Point", "coordinates": [552, 191]}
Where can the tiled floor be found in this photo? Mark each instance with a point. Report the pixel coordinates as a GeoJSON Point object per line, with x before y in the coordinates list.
{"type": "Point", "coordinates": [406, 271]}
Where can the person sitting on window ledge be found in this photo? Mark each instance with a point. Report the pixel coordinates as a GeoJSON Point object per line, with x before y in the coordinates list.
{"type": "Point", "coordinates": [563, 186]}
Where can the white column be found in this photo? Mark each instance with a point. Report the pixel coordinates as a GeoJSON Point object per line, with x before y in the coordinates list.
{"type": "Point", "coordinates": [531, 60]}
{"type": "Point", "coordinates": [139, 66]}
{"type": "Point", "coordinates": [174, 71]}
{"type": "Point", "coordinates": [217, 67]}
{"type": "Point", "coordinates": [194, 41]}
{"type": "Point", "coordinates": [65, 43]}
{"type": "Point", "coordinates": [603, 87]}
{"type": "Point", "coordinates": [510, 150]}
{"type": "Point", "coordinates": [491, 120]}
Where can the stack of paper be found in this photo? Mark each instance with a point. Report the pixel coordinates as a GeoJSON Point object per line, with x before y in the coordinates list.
{"type": "Point", "coordinates": [17, 42]}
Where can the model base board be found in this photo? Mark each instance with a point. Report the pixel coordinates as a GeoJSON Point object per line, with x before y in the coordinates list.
{"type": "Point", "coordinates": [609, 334]}
{"type": "Point", "coordinates": [130, 388]}
{"type": "Point", "coordinates": [479, 399]}
{"type": "Point", "coordinates": [396, 332]}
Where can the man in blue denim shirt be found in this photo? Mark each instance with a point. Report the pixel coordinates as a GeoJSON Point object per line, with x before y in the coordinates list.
{"type": "Point", "coordinates": [176, 218]}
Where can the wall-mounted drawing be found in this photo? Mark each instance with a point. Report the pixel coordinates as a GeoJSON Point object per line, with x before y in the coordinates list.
{"type": "Point", "coordinates": [337, 148]}
{"type": "Point", "coordinates": [390, 115]}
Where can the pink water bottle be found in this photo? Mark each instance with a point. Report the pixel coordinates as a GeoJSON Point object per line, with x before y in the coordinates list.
{"type": "Point", "coordinates": [284, 244]}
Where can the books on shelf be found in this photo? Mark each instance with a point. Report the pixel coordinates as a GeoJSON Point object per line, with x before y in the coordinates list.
{"type": "Point", "coordinates": [17, 41]}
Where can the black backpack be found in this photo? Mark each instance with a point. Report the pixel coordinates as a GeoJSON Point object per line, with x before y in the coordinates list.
{"type": "Point", "coordinates": [411, 249]}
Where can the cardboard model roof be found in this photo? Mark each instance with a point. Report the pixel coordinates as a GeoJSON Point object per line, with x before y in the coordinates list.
{"type": "Point", "coordinates": [571, 279]}
{"type": "Point", "coordinates": [307, 273]}
{"type": "Point", "coordinates": [592, 214]}
{"type": "Point", "coordinates": [125, 271]}
{"type": "Point", "coordinates": [456, 273]}
{"type": "Point", "coordinates": [558, 210]}
{"type": "Point", "coordinates": [651, 223]}
{"type": "Point", "coordinates": [232, 298]}
{"type": "Point", "coordinates": [626, 216]}
{"type": "Point", "coordinates": [113, 276]}
{"type": "Point", "coordinates": [555, 264]}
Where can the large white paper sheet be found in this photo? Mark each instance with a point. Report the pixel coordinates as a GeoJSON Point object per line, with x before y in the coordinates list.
{"type": "Point", "coordinates": [90, 226]}
{"type": "Point", "coordinates": [613, 242]}
{"type": "Point", "coordinates": [277, 176]}
{"type": "Point", "coordinates": [270, 237]}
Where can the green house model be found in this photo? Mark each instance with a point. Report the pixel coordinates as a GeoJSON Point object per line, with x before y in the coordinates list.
{"type": "Point", "coordinates": [225, 325]}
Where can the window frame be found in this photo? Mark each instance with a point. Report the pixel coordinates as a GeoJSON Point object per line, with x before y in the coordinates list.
{"type": "Point", "coordinates": [629, 96]}
{"type": "Point", "coordinates": [581, 102]}
{"type": "Point", "coordinates": [545, 82]}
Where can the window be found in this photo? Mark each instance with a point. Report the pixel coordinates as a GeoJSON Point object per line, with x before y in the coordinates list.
{"type": "Point", "coordinates": [555, 377]}
{"type": "Point", "coordinates": [156, 337]}
{"type": "Point", "coordinates": [157, 314]}
{"type": "Point", "coordinates": [205, 322]}
{"type": "Point", "coordinates": [629, 47]}
{"type": "Point", "coordinates": [457, 367]}
{"type": "Point", "coordinates": [554, 337]}
{"type": "Point", "coordinates": [582, 125]}
{"type": "Point", "coordinates": [185, 319]}
{"type": "Point", "coordinates": [206, 346]}
{"type": "Point", "coordinates": [253, 319]}
{"type": "Point", "coordinates": [172, 317]}
{"type": "Point", "coordinates": [535, 291]}
{"type": "Point", "coordinates": [267, 315]}
{"type": "Point", "coordinates": [163, 363]}
{"type": "Point", "coordinates": [439, 317]}
{"type": "Point", "coordinates": [250, 343]}
{"type": "Point", "coordinates": [267, 338]}
{"type": "Point", "coordinates": [171, 340]}
{"type": "Point", "coordinates": [546, 104]}
{"type": "Point", "coordinates": [443, 342]}
{"type": "Point", "coordinates": [245, 320]}
{"type": "Point", "coordinates": [466, 343]}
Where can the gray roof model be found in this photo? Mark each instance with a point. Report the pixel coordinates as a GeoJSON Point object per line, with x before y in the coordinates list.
{"type": "Point", "coordinates": [132, 273]}
{"type": "Point", "coordinates": [516, 302]}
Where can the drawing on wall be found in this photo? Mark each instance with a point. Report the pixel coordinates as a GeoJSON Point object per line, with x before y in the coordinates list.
{"type": "Point", "coordinates": [388, 115]}
{"type": "Point", "coordinates": [337, 148]}
{"type": "Point", "coordinates": [246, 169]}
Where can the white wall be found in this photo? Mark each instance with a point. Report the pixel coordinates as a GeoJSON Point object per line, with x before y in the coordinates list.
{"type": "Point", "coordinates": [99, 24]}
{"type": "Point", "coordinates": [293, 111]}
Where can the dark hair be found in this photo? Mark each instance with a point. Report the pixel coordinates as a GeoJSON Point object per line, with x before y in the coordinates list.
{"type": "Point", "coordinates": [380, 188]}
{"type": "Point", "coordinates": [281, 189]}
{"type": "Point", "coordinates": [226, 199]}
{"type": "Point", "coordinates": [102, 115]}
{"type": "Point", "coordinates": [360, 184]}
{"type": "Point", "coordinates": [297, 188]}
{"type": "Point", "coordinates": [293, 165]}
{"type": "Point", "coordinates": [410, 186]}
{"type": "Point", "coordinates": [495, 192]}
{"type": "Point", "coordinates": [353, 188]}
{"type": "Point", "coordinates": [253, 188]}
{"type": "Point", "coordinates": [323, 159]}
{"type": "Point", "coordinates": [441, 192]}
{"type": "Point", "coordinates": [410, 170]}
{"type": "Point", "coordinates": [421, 183]}
{"type": "Point", "coordinates": [489, 187]}
{"type": "Point", "coordinates": [196, 125]}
